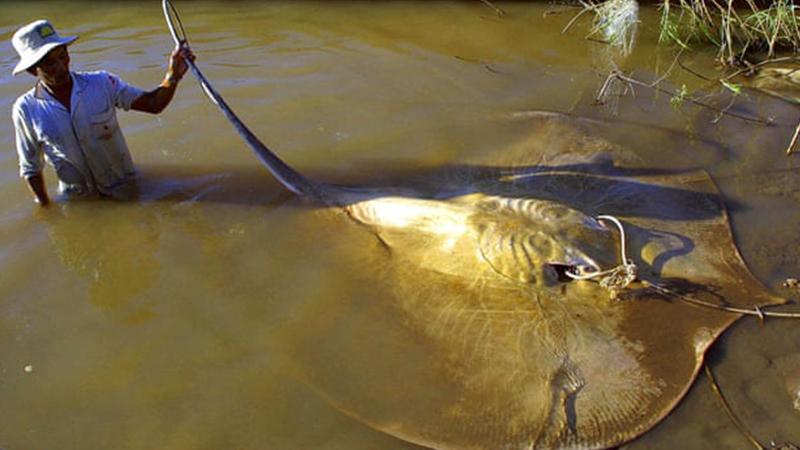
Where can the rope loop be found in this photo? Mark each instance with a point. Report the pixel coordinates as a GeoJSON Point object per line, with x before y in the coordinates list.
{"type": "Point", "coordinates": [616, 279]}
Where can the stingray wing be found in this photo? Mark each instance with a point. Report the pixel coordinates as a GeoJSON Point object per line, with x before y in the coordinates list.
{"type": "Point", "coordinates": [487, 362]}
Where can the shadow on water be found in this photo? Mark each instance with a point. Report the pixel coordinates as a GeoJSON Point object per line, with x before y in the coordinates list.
{"type": "Point", "coordinates": [104, 255]}
{"type": "Point", "coordinates": [209, 184]}
{"type": "Point", "coordinates": [598, 187]}
{"type": "Point", "coordinates": [598, 195]}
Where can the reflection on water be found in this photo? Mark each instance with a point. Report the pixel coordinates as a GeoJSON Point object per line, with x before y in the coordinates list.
{"type": "Point", "coordinates": [104, 252]}
{"type": "Point", "coordinates": [165, 323]}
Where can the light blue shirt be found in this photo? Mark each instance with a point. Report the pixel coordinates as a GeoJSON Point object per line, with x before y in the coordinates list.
{"type": "Point", "coordinates": [85, 145]}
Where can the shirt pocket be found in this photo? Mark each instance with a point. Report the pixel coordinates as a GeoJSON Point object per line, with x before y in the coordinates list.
{"type": "Point", "coordinates": [104, 124]}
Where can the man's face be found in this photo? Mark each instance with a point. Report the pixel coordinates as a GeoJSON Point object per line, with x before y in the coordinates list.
{"type": "Point", "coordinates": [53, 69]}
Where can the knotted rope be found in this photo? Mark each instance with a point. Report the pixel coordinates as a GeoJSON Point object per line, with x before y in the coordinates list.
{"type": "Point", "coordinates": [617, 278]}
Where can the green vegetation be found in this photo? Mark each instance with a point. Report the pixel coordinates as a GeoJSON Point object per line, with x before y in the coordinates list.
{"type": "Point", "coordinates": [737, 28]}
{"type": "Point", "coordinates": [747, 35]}
{"type": "Point", "coordinates": [615, 23]}
{"type": "Point", "coordinates": [679, 97]}
{"type": "Point", "coordinates": [735, 32]}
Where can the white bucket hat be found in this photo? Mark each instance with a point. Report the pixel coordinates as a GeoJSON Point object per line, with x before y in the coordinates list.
{"type": "Point", "coordinates": [34, 40]}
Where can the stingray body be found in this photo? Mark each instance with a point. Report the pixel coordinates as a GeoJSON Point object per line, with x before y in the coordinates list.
{"type": "Point", "coordinates": [525, 240]}
{"type": "Point", "coordinates": [513, 356]}
{"type": "Point", "coordinates": [781, 82]}
{"type": "Point", "coordinates": [521, 358]}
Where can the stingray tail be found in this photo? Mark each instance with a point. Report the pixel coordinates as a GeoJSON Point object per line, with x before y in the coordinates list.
{"type": "Point", "coordinates": [285, 174]}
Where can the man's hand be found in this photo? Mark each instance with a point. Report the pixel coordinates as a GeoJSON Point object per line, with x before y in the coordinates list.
{"type": "Point", "coordinates": [37, 188]}
{"type": "Point", "coordinates": [156, 100]}
{"type": "Point", "coordinates": [177, 63]}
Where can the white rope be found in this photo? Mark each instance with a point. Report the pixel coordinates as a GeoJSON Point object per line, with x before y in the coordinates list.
{"type": "Point", "coordinates": [617, 278]}
{"type": "Point", "coordinates": [755, 311]}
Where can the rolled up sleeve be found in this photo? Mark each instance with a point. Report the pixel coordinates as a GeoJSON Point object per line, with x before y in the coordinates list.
{"type": "Point", "coordinates": [29, 151]}
{"type": "Point", "coordinates": [122, 93]}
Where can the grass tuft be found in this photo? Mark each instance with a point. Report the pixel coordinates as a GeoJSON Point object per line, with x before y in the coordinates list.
{"type": "Point", "coordinates": [734, 32]}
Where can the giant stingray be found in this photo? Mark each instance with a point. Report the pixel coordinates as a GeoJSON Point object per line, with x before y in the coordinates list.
{"type": "Point", "coordinates": [519, 354]}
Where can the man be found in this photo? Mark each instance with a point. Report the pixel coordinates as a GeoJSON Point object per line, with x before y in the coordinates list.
{"type": "Point", "coordinates": [69, 118]}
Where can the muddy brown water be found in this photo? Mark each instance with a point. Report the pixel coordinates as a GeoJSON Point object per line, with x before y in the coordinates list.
{"type": "Point", "coordinates": [160, 323]}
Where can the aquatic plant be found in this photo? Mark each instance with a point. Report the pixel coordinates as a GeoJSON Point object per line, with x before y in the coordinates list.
{"type": "Point", "coordinates": [679, 98]}
{"type": "Point", "coordinates": [734, 27]}
{"type": "Point", "coordinates": [616, 21]}
{"type": "Point", "coordinates": [737, 28]}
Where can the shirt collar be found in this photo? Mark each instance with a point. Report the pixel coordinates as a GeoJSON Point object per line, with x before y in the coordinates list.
{"type": "Point", "coordinates": [41, 93]}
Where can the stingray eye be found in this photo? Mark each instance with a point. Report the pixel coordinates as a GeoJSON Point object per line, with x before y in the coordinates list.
{"type": "Point", "coordinates": [585, 269]}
